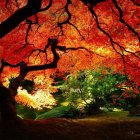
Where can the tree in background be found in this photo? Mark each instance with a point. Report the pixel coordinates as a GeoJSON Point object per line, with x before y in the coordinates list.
{"type": "Point", "coordinates": [92, 89]}
{"type": "Point", "coordinates": [39, 35]}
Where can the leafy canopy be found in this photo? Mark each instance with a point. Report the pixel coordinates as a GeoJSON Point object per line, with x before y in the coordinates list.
{"type": "Point", "coordinates": [37, 37]}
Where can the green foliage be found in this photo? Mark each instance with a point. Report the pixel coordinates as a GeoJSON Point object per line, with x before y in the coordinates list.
{"type": "Point", "coordinates": [128, 97]}
{"type": "Point", "coordinates": [127, 101]}
{"type": "Point", "coordinates": [61, 111]}
{"type": "Point", "coordinates": [59, 79]}
{"type": "Point", "coordinates": [73, 91]}
{"type": "Point", "coordinates": [72, 112]}
{"type": "Point", "coordinates": [26, 112]}
{"type": "Point", "coordinates": [85, 92]}
{"type": "Point", "coordinates": [56, 112]}
{"type": "Point", "coordinates": [92, 89]}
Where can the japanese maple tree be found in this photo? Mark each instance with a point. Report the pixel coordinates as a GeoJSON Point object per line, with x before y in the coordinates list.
{"type": "Point", "coordinates": [70, 35]}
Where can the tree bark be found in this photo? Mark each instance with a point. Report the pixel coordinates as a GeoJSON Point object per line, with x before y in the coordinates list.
{"type": "Point", "coordinates": [32, 7]}
{"type": "Point", "coordinates": [7, 106]}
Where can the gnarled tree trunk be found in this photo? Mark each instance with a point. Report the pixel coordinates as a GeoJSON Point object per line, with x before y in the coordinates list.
{"type": "Point", "coordinates": [7, 106]}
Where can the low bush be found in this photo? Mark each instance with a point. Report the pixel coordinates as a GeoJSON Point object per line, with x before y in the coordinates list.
{"type": "Point", "coordinates": [61, 111]}
{"type": "Point", "coordinates": [26, 112]}
{"type": "Point", "coordinates": [56, 112]}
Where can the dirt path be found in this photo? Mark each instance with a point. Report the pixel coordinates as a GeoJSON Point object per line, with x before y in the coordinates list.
{"type": "Point", "coordinates": [92, 128]}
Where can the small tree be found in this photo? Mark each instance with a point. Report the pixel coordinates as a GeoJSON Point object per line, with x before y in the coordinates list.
{"type": "Point", "coordinates": [92, 89]}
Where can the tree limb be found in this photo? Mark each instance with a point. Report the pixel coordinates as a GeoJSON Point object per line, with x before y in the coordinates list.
{"type": "Point", "coordinates": [32, 7]}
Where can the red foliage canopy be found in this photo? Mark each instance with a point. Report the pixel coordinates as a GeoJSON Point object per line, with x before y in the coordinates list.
{"type": "Point", "coordinates": [70, 35]}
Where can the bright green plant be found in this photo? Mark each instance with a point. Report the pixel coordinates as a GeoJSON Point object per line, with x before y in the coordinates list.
{"type": "Point", "coordinates": [92, 89]}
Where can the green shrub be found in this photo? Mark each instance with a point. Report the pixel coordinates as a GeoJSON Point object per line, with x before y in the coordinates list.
{"type": "Point", "coordinates": [92, 89]}
{"type": "Point", "coordinates": [26, 112]}
{"type": "Point", "coordinates": [56, 112]}
{"type": "Point", "coordinates": [59, 112]}
{"type": "Point", "coordinates": [127, 100]}
{"type": "Point", "coordinates": [72, 112]}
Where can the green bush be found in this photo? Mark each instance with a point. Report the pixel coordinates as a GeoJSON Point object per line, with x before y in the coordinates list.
{"type": "Point", "coordinates": [93, 89]}
{"type": "Point", "coordinates": [59, 112]}
{"type": "Point", "coordinates": [26, 112]}
{"type": "Point", "coordinates": [56, 112]}
{"type": "Point", "coordinates": [127, 100]}
{"type": "Point", "coordinates": [72, 112]}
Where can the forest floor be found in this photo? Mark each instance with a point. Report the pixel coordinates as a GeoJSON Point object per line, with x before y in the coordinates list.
{"type": "Point", "coordinates": [112, 126]}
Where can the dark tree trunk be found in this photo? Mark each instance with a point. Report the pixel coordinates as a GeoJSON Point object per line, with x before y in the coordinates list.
{"type": "Point", "coordinates": [8, 110]}
{"type": "Point", "coordinates": [7, 106]}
